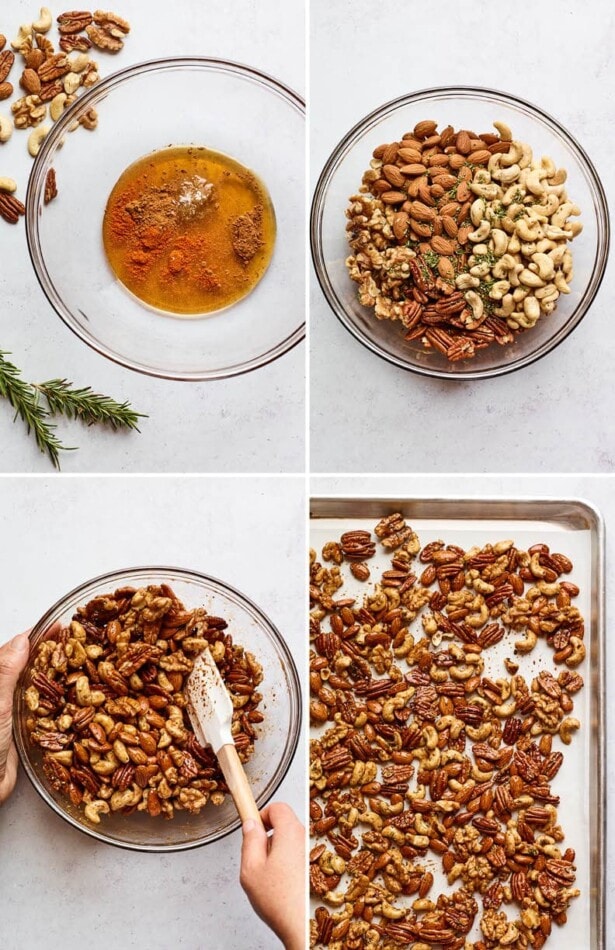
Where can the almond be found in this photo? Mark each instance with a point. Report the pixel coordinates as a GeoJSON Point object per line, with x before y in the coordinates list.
{"type": "Point", "coordinates": [393, 197]}
{"type": "Point", "coordinates": [409, 155]}
{"type": "Point", "coordinates": [499, 147]}
{"type": "Point", "coordinates": [6, 90]}
{"type": "Point", "coordinates": [409, 141]}
{"type": "Point", "coordinates": [456, 161]}
{"type": "Point", "coordinates": [425, 128]}
{"type": "Point", "coordinates": [463, 191]}
{"type": "Point", "coordinates": [415, 168]}
{"type": "Point", "coordinates": [481, 157]}
{"type": "Point", "coordinates": [447, 181]}
{"type": "Point", "coordinates": [423, 192]}
{"type": "Point", "coordinates": [30, 82]}
{"type": "Point", "coordinates": [436, 191]}
{"type": "Point", "coordinates": [394, 175]}
{"type": "Point", "coordinates": [34, 58]}
{"type": "Point", "coordinates": [422, 212]}
{"type": "Point", "coordinates": [463, 143]}
{"type": "Point", "coordinates": [462, 234]}
{"type": "Point", "coordinates": [451, 208]}
{"type": "Point", "coordinates": [421, 228]}
{"type": "Point", "coordinates": [437, 159]}
{"type": "Point", "coordinates": [390, 153]}
{"type": "Point", "coordinates": [446, 269]}
{"type": "Point", "coordinates": [443, 246]}
{"type": "Point", "coordinates": [379, 151]}
{"type": "Point", "coordinates": [450, 226]}
{"type": "Point", "coordinates": [447, 136]}
{"type": "Point", "coordinates": [400, 225]}
{"type": "Point", "coordinates": [436, 226]}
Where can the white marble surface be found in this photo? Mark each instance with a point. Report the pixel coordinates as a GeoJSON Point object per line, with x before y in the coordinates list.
{"type": "Point", "coordinates": [597, 489]}
{"type": "Point", "coordinates": [58, 888]}
{"type": "Point", "coordinates": [251, 423]}
{"type": "Point", "coordinates": [552, 416]}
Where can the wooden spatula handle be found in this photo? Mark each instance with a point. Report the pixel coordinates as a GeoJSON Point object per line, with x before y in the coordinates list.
{"type": "Point", "coordinates": [238, 784]}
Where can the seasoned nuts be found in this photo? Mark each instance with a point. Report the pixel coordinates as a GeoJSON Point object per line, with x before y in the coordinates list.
{"type": "Point", "coordinates": [420, 752]}
{"type": "Point", "coordinates": [107, 707]}
{"type": "Point", "coordinates": [444, 219]}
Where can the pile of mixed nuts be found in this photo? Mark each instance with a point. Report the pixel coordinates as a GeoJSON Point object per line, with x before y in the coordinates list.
{"type": "Point", "coordinates": [462, 238]}
{"type": "Point", "coordinates": [107, 706]}
{"type": "Point", "coordinates": [423, 761]}
{"type": "Point", "coordinates": [51, 80]}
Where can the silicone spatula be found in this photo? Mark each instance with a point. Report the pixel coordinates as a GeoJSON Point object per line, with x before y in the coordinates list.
{"type": "Point", "coordinates": [211, 711]}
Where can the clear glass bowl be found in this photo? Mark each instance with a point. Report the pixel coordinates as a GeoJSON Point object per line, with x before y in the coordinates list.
{"type": "Point", "coordinates": [224, 106]}
{"type": "Point", "coordinates": [471, 108]}
{"type": "Point", "coordinates": [277, 735]}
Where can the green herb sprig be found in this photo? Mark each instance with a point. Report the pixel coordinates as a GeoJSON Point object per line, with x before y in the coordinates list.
{"type": "Point", "coordinates": [36, 404]}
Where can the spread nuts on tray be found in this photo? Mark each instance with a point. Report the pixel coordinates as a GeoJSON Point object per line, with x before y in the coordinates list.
{"type": "Point", "coordinates": [107, 705]}
{"type": "Point", "coordinates": [424, 765]}
{"type": "Point", "coordinates": [462, 238]}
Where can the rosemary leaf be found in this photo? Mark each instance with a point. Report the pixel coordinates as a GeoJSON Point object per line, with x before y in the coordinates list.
{"type": "Point", "coordinates": [89, 407]}
{"type": "Point", "coordinates": [24, 399]}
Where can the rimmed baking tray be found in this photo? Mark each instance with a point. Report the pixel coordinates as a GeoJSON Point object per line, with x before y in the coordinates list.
{"type": "Point", "coordinates": [573, 527]}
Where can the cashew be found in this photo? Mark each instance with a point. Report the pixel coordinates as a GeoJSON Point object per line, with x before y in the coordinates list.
{"type": "Point", "coordinates": [481, 232]}
{"type": "Point", "coordinates": [500, 242]}
{"type": "Point", "coordinates": [531, 309]}
{"type": "Point", "coordinates": [93, 810]}
{"type": "Point", "coordinates": [6, 128]}
{"type": "Point", "coordinates": [484, 190]}
{"type": "Point", "coordinates": [533, 182]}
{"type": "Point", "coordinates": [56, 106]}
{"type": "Point", "coordinates": [477, 211]}
{"type": "Point", "coordinates": [527, 644]}
{"type": "Point", "coordinates": [578, 654]}
{"type": "Point", "coordinates": [79, 62]}
{"type": "Point", "coordinates": [464, 281]}
{"type": "Point", "coordinates": [8, 184]}
{"type": "Point", "coordinates": [530, 279]}
{"type": "Point", "coordinates": [546, 267]}
{"type": "Point", "coordinates": [43, 24]}
{"type": "Point", "coordinates": [23, 37]}
{"type": "Point", "coordinates": [508, 175]}
{"type": "Point", "coordinates": [71, 83]}
{"type": "Point", "coordinates": [504, 710]}
{"type": "Point", "coordinates": [476, 303]}
{"type": "Point", "coordinates": [497, 292]}
{"type": "Point", "coordinates": [567, 728]}
{"type": "Point", "coordinates": [503, 131]}
{"type": "Point", "coordinates": [35, 139]}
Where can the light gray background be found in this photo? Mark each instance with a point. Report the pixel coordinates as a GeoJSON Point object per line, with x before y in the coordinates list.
{"type": "Point", "coordinates": [58, 888]}
{"type": "Point", "coordinates": [552, 416]}
{"type": "Point", "coordinates": [600, 491]}
{"type": "Point", "coordinates": [252, 423]}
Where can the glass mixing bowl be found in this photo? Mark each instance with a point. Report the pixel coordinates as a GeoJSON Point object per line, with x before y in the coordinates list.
{"type": "Point", "coordinates": [278, 734]}
{"type": "Point", "coordinates": [224, 106]}
{"type": "Point", "coordinates": [470, 108]}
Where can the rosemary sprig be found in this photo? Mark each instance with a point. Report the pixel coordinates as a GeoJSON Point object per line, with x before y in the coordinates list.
{"type": "Point", "coordinates": [90, 407]}
{"type": "Point", "coordinates": [24, 400]}
{"type": "Point", "coordinates": [61, 398]}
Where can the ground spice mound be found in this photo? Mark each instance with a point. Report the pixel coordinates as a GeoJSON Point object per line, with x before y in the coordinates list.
{"type": "Point", "coordinates": [247, 231]}
{"type": "Point", "coordinates": [189, 230]}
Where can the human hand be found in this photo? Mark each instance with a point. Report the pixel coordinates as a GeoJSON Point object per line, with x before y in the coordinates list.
{"type": "Point", "coordinates": [13, 657]}
{"type": "Point", "coordinates": [273, 873]}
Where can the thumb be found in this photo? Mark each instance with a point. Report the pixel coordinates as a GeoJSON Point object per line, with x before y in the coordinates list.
{"type": "Point", "coordinates": [253, 849]}
{"type": "Point", "coordinates": [13, 657]}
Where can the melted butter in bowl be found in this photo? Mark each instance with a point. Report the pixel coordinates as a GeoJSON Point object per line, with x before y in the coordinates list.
{"type": "Point", "coordinates": [189, 230]}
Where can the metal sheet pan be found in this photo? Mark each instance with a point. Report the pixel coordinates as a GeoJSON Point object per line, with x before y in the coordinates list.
{"type": "Point", "coordinates": [575, 528]}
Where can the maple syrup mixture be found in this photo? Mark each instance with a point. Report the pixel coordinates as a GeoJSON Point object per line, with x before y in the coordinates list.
{"type": "Point", "coordinates": [189, 230]}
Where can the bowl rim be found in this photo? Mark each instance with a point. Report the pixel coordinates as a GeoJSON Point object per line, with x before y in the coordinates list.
{"type": "Point", "coordinates": [36, 185]}
{"type": "Point", "coordinates": [295, 694]}
{"type": "Point", "coordinates": [465, 91]}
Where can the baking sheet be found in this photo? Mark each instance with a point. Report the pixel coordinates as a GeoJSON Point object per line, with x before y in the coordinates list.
{"type": "Point", "coordinates": [570, 527]}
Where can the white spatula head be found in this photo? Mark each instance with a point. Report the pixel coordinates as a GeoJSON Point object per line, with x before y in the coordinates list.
{"type": "Point", "coordinates": [209, 705]}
